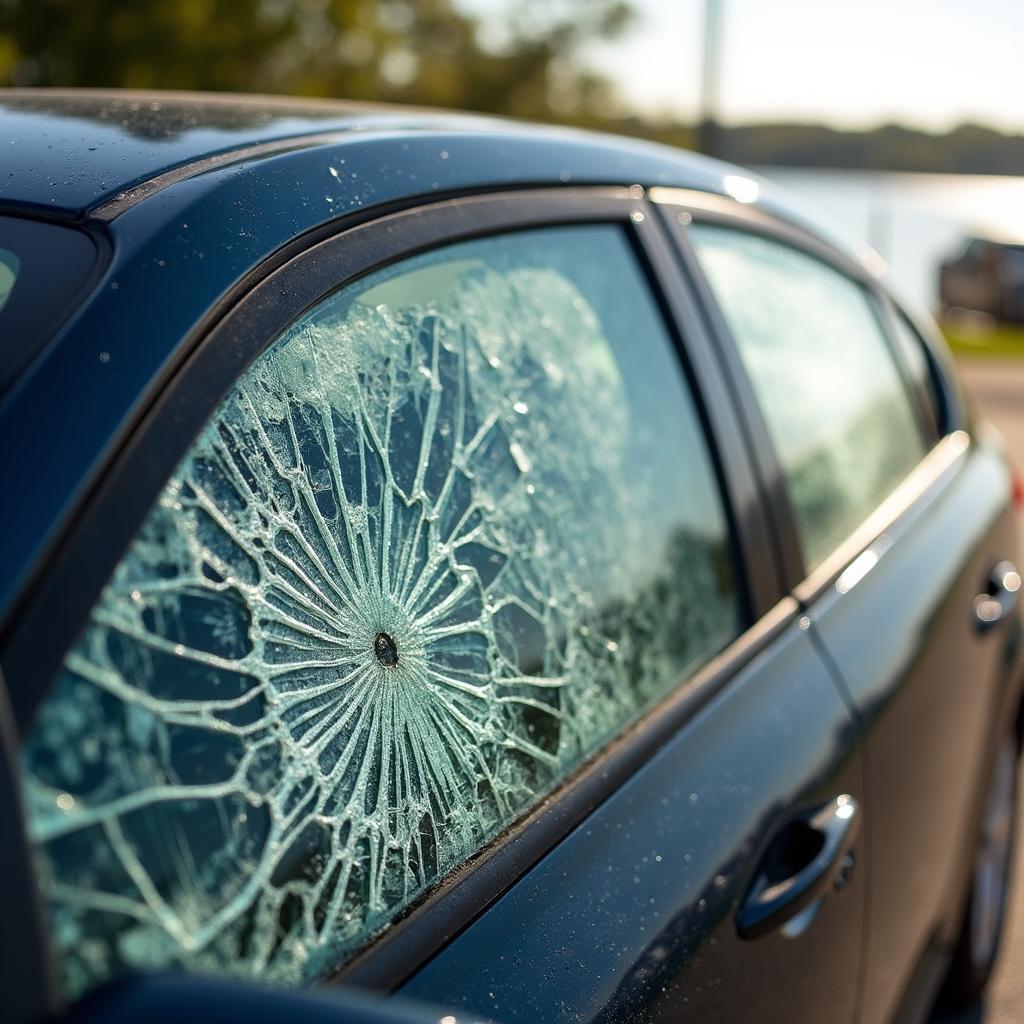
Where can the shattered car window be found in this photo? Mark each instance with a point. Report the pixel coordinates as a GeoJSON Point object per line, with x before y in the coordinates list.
{"type": "Point", "coordinates": [445, 538]}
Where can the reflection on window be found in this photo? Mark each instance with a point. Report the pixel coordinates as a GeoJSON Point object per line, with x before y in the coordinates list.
{"type": "Point", "coordinates": [837, 411]}
{"type": "Point", "coordinates": [445, 538]}
{"type": "Point", "coordinates": [9, 266]}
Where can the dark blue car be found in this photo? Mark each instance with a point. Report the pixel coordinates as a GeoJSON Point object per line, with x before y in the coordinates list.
{"type": "Point", "coordinates": [531, 575]}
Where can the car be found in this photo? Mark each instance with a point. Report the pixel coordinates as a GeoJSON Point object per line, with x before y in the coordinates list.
{"type": "Point", "coordinates": [987, 276]}
{"type": "Point", "coordinates": [521, 573]}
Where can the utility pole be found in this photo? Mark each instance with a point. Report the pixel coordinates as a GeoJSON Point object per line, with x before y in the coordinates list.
{"type": "Point", "coordinates": [709, 136]}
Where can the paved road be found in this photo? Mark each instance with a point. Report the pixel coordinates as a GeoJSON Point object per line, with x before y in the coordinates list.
{"type": "Point", "coordinates": [997, 389]}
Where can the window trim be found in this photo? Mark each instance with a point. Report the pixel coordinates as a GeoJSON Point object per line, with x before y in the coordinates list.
{"type": "Point", "coordinates": [224, 345]}
{"type": "Point", "coordinates": [28, 976]}
{"type": "Point", "coordinates": [681, 207]}
{"type": "Point", "coordinates": [944, 388]}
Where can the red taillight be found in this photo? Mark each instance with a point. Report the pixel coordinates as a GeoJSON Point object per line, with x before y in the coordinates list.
{"type": "Point", "coordinates": [1018, 488]}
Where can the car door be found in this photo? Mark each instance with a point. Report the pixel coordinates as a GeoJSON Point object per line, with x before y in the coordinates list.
{"type": "Point", "coordinates": [900, 526]}
{"type": "Point", "coordinates": [448, 569]}
{"type": "Point", "coordinates": [638, 914]}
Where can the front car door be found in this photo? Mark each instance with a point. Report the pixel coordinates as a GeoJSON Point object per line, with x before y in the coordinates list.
{"type": "Point", "coordinates": [459, 538]}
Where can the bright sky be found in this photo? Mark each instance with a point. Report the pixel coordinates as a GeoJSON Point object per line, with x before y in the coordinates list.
{"type": "Point", "coordinates": [851, 63]}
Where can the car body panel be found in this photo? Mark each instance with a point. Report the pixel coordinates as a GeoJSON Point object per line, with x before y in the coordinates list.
{"type": "Point", "coordinates": [632, 916]}
{"type": "Point", "coordinates": [932, 694]}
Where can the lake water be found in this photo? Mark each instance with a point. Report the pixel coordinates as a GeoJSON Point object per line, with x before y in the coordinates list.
{"type": "Point", "coordinates": [913, 220]}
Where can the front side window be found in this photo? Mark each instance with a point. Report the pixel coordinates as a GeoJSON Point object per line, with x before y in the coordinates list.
{"type": "Point", "coordinates": [836, 408]}
{"type": "Point", "coordinates": [446, 537]}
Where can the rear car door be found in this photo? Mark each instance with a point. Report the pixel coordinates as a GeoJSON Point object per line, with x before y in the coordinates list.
{"type": "Point", "coordinates": [448, 576]}
{"type": "Point", "coordinates": [900, 521]}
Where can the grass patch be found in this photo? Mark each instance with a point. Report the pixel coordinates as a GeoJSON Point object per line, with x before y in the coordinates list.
{"type": "Point", "coordinates": [984, 339]}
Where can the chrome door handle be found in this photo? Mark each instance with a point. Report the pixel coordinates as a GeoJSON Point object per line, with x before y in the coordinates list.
{"type": "Point", "coordinates": [807, 856]}
{"type": "Point", "coordinates": [998, 600]}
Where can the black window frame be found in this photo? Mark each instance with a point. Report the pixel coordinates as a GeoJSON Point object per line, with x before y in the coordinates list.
{"type": "Point", "coordinates": [948, 440]}
{"type": "Point", "coordinates": [941, 391]}
{"type": "Point", "coordinates": [292, 281]}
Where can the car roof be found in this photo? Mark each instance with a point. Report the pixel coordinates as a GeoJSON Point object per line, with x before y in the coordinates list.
{"type": "Point", "coordinates": [75, 153]}
{"type": "Point", "coordinates": [71, 151]}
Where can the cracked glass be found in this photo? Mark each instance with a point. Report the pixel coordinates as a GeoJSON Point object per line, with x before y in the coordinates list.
{"type": "Point", "coordinates": [444, 539]}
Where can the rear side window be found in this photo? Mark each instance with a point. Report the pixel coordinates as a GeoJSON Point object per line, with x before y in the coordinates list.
{"type": "Point", "coordinates": [43, 267]}
{"type": "Point", "coordinates": [442, 541]}
{"type": "Point", "coordinates": [836, 408]}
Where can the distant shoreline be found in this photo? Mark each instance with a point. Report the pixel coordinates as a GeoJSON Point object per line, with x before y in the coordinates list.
{"type": "Point", "coordinates": [966, 149]}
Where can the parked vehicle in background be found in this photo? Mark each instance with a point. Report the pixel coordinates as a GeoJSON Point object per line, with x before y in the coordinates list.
{"type": "Point", "coordinates": [529, 575]}
{"type": "Point", "coordinates": [987, 276]}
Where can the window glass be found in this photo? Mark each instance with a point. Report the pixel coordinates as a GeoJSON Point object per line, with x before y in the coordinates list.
{"type": "Point", "coordinates": [9, 266]}
{"type": "Point", "coordinates": [443, 540]}
{"type": "Point", "coordinates": [42, 266]}
{"type": "Point", "coordinates": [836, 409]}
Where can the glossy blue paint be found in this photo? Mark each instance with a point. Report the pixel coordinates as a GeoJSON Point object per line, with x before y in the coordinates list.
{"type": "Point", "coordinates": [930, 690]}
{"type": "Point", "coordinates": [67, 152]}
{"type": "Point", "coordinates": [631, 917]}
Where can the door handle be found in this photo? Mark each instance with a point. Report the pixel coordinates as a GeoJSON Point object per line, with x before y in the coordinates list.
{"type": "Point", "coordinates": [998, 600]}
{"type": "Point", "coordinates": [808, 855]}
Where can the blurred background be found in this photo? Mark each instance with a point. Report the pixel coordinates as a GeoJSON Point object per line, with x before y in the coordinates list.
{"type": "Point", "coordinates": [901, 121]}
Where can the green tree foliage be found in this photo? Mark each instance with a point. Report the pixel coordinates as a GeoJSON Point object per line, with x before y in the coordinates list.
{"type": "Point", "coordinates": [526, 58]}
{"type": "Point", "coordinates": [422, 51]}
{"type": "Point", "coordinates": [967, 148]}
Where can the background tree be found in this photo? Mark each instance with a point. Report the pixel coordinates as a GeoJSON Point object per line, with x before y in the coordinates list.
{"type": "Point", "coordinates": [420, 51]}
